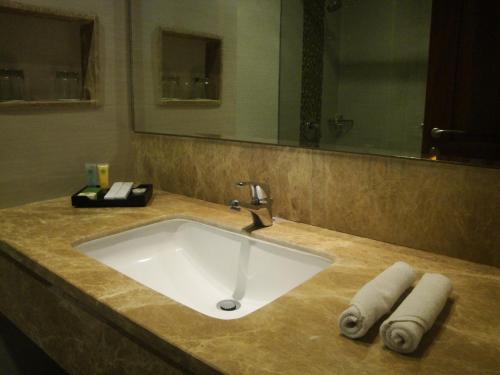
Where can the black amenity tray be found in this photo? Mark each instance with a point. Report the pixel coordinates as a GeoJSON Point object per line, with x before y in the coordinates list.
{"type": "Point", "coordinates": [132, 200]}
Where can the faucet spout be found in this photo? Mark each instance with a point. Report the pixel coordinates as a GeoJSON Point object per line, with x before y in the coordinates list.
{"type": "Point", "coordinates": [260, 205]}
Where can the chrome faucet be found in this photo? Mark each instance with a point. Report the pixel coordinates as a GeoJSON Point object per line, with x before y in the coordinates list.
{"type": "Point", "coordinates": [260, 205]}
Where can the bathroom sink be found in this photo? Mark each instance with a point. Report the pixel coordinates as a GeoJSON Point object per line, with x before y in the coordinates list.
{"type": "Point", "coordinates": [219, 273]}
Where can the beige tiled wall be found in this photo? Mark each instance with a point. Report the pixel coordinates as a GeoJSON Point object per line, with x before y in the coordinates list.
{"type": "Point", "coordinates": [443, 208]}
{"type": "Point", "coordinates": [43, 150]}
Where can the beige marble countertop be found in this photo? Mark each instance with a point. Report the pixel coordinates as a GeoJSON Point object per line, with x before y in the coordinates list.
{"type": "Point", "coordinates": [297, 333]}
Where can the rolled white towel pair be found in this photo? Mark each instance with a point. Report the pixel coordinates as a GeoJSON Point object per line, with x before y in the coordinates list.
{"type": "Point", "coordinates": [404, 329]}
{"type": "Point", "coordinates": [375, 299]}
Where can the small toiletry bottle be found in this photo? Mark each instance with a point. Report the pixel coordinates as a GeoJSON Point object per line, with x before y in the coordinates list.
{"type": "Point", "coordinates": [91, 173]}
{"type": "Point", "coordinates": [103, 173]}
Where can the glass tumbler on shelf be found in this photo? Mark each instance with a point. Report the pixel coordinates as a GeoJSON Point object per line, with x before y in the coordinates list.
{"type": "Point", "coordinates": [61, 85]}
{"type": "Point", "coordinates": [68, 86]}
{"type": "Point", "coordinates": [185, 91]}
{"type": "Point", "coordinates": [210, 88]}
{"type": "Point", "coordinates": [17, 84]}
{"type": "Point", "coordinates": [11, 84]}
{"type": "Point", "coordinates": [170, 89]}
{"type": "Point", "coordinates": [74, 86]}
{"type": "Point", "coordinates": [5, 83]}
{"type": "Point", "coordinates": [199, 89]}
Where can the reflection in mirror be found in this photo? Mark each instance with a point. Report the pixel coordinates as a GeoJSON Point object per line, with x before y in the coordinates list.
{"type": "Point", "coordinates": [248, 31]}
{"type": "Point", "coordinates": [413, 78]}
{"type": "Point", "coordinates": [190, 67]}
{"type": "Point", "coordinates": [363, 70]}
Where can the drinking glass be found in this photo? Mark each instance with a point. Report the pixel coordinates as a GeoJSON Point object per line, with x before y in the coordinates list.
{"type": "Point", "coordinates": [68, 86]}
{"type": "Point", "coordinates": [17, 84]}
{"type": "Point", "coordinates": [11, 84]}
{"type": "Point", "coordinates": [5, 81]}
{"type": "Point", "coordinates": [74, 85]}
{"type": "Point", "coordinates": [171, 87]}
{"type": "Point", "coordinates": [199, 89]}
{"type": "Point", "coordinates": [185, 91]}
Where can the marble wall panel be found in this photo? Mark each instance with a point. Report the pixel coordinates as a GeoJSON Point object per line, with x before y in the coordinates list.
{"type": "Point", "coordinates": [443, 208]}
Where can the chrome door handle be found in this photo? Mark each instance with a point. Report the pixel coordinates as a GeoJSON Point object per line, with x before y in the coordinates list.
{"type": "Point", "coordinates": [436, 132]}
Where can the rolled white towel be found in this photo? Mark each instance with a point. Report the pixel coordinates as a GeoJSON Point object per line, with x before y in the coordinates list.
{"type": "Point", "coordinates": [404, 329]}
{"type": "Point", "coordinates": [375, 299]}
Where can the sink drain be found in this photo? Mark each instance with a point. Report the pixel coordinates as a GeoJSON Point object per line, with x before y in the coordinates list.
{"type": "Point", "coordinates": [228, 305]}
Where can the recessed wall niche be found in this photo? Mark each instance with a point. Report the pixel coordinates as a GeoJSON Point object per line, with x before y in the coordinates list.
{"type": "Point", "coordinates": [47, 57]}
{"type": "Point", "coordinates": [190, 68]}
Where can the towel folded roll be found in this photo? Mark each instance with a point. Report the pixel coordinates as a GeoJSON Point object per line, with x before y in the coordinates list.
{"type": "Point", "coordinates": [404, 329]}
{"type": "Point", "coordinates": [375, 299]}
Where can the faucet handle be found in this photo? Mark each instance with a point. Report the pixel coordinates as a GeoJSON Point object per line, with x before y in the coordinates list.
{"type": "Point", "coordinates": [259, 191]}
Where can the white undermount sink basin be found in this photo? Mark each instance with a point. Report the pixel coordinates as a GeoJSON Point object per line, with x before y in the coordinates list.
{"type": "Point", "coordinates": [199, 265]}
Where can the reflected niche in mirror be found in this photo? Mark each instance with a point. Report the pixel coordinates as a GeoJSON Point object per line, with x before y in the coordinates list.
{"type": "Point", "coordinates": [190, 68]}
{"type": "Point", "coordinates": [413, 78]}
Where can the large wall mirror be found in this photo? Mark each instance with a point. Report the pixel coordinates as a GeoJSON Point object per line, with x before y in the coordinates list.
{"type": "Point", "coordinates": [410, 78]}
